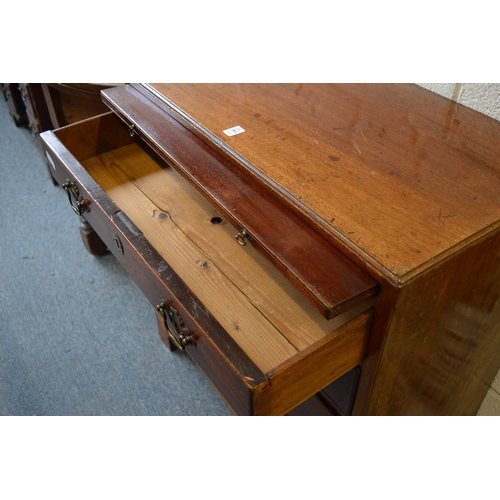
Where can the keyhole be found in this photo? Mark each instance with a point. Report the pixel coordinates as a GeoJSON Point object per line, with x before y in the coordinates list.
{"type": "Point", "coordinates": [118, 243]}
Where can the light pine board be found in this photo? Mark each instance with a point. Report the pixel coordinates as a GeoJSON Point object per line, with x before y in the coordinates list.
{"type": "Point", "coordinates": [256, 305]}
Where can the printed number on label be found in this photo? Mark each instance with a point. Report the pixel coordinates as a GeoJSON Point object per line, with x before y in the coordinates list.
{"type": "Point", "coordinates": [234, 131]}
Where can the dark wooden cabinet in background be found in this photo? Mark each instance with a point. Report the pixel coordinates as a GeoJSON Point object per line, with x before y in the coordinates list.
{"type": "Point", "coordinates": [15, 103]}
{"type": "Point", "coordinates": [47, 106]}
{"type": "Point", "coordinates": [327, 249]}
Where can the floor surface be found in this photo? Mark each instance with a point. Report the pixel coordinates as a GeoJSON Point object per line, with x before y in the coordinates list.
{"type": "Point", "coordinates": [77, 337]}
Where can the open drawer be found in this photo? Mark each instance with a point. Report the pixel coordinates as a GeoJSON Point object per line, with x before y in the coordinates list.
{"type": "Point", "coordinates": [264, 347]}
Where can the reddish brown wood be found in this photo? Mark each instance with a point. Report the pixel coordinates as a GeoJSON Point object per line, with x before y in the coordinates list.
{"type": "Point", "coordinates": [238, 379]}
{"type": "Point", "coordinates": [36, 108]}
{"type": "Point", "coordinates": [410, 180]}
{"type": "Point", "coordinates": [442, 347]}
{"type": "Point", "coordinates": [347, 344]}
{"type": "Point", "coordinates": [425, 225]}
{"type": "Point", "coordinates": [384, 307]}
{"type": "Point", "coordinates": [330, 281]}
{"type": "Point", "coordinates": [90, 239]}
{"type": "Point", "coordinates": [233, 374]}
{"type": "Point", "coordinates": [15, 103]}
{"type": "Point", "coordinates": [72, 102]}
{"type": "Point", "coordinates": [396, 173]}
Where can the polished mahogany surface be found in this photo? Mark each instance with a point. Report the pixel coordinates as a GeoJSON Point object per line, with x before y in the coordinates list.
{"type": "Point", "coordinates": [398, 174]}
{"type": "Point", "coordinates": [442, 348]}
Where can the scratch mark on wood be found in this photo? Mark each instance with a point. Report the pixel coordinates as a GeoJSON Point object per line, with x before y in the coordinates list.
{"type": "Point", "coordinates": [437, 175]}
{"type": "Point", "coordinates": [162, 266]}
{"type": "Point", "coordinates": [440, 216]}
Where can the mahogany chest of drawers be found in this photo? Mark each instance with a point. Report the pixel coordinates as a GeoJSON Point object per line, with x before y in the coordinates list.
{"type": "Point", "coordinates": [298, 241]}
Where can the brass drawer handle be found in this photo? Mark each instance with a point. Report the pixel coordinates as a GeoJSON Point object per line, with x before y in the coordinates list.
{"type": "Point", "coordinates": [241, 237]}
{"type": "Point", "coordinates": [177, 331]}
{"type": "Point", "coordinates": [78, 204]}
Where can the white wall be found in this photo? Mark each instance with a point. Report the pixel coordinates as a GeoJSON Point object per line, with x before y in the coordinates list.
{"type": "Point", "coordinates": [483, 97]}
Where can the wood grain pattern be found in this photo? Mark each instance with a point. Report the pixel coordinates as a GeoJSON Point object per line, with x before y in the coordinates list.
{"type": "Point", "coordinates": [255, 319]}
{"type": "Point", "coordinates": [442, 348]}
{"type": "Point", "coordinates": [268, 318]}
{"type": "Point", "coordinates": [399, 174]}
{"type": "Point", "coordinates": [345, 346]}
{"type": "Point", "coordinates": [72, 102]}
{"type": "Point", "coordinates": [326, 277]}
{"type": "Point", "coordinates": [233, 374]}
{"type": "Point", "coordinates": [431, 346]}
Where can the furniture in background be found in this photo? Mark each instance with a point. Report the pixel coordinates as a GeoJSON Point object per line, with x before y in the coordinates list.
{"type": "Point", "coordinates": [17, 109]}
{"type": "Point", "coordinates": [47, 106]}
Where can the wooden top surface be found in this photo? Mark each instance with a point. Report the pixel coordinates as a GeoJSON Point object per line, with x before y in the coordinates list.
{"type": "Point", "coordinates": [397, 173]}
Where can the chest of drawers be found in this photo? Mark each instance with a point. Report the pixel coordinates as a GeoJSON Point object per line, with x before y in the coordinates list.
{"type": "Point", "coordinates": [342, 229]}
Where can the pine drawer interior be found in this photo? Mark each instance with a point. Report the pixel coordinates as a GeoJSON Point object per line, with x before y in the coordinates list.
{"type": "Point", "coordinates": [251, 300]}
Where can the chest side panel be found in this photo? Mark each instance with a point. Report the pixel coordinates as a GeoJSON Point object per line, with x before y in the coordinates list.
{"type": "Point", "coordinates": [442, 349]}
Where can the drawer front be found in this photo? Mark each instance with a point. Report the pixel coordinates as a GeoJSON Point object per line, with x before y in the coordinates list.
{"type": "Point", "coordinates": [316, 367]}
{"type": "Point", "coordinates": [215, 352]}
